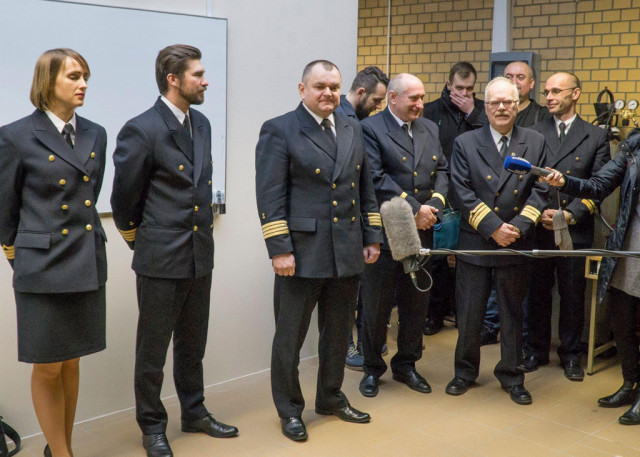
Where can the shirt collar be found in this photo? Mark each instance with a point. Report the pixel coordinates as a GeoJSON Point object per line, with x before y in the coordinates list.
{"type": "Point", "coordinates": [178, 113]}
{"type": "Point", "coordinates": [497, 136]}
{"type": "Point", "coordinates": [59, 123]}
{"type": "Point", "coordinates": [400, 121]}
{"type": "Point", "coordinates": [568, 122]}
{"type": "Point", "coordinates": [319, 119]}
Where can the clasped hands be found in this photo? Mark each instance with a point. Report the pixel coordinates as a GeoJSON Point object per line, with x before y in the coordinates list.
{"type": "Point", "coordinates": [426, 217]}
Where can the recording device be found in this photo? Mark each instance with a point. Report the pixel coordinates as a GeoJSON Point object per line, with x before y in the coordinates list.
{"type": "Point", "coordinates": [402, 232]}
{"type": "Point", "coordinates": [521, 166]}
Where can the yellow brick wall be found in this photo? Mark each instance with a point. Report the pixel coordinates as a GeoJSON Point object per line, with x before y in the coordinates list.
{"type": "Point", "coordinates": [427, 37]}
{"type": "Point", "coordinates": [596, 39]}
{"type": "Point", "coordinates": [599, 40]}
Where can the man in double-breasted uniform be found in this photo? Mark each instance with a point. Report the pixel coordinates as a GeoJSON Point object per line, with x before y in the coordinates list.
{"type": "Point", "coordinates": [578, 149]}
{"type": "Point", "coordinates": [499, 209]}
{"type": "Point", "coordinates": [162, 207]}
{"type": "Point", "coordinates": [320, 222]}
{"type": "Point", "coordinates": [406, 161]}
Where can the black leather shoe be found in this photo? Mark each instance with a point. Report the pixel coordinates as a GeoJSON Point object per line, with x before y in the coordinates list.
{"type": "Point", "coordinates": [488, 337]}
{"type": "Point", "coordinates": [414, 381]}
{"type": "Point", "coordinates": [369, 385]}
{"type": "Point", "coordinates": [573, 371]}
{"type": "Point", "coordinates": [623, 396]}
{"type": "Point", "coordinates": [519, 394]}
{"type": "Point", "coordinates": [530, 363]}
{"type": "Point", "coordinates": [210, 426]}
{"type": "Point", "coordinates": [47, 451]}
{"type": "Point", "coordinates": [294, 429]}
{"type": "Point", "coordinates": [347, 414]}
{"type": "Point", "coordinates": [157, 445]}
{"type": "Point", "coordinates": [632, 416]}
{"type": "Point", "coordinates": [433, 326]}
{"type": "Point", "coordinates": [458, 386]}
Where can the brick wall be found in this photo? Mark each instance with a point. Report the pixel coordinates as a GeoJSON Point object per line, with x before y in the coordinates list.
{"type": "Point", "coordinates": [427, 37]}
{"type": "Point", "coordinates": [597, 39]}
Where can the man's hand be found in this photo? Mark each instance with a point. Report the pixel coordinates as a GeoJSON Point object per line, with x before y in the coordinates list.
{"type": "Point", "coordinates": [426, 217]}
{"type": "Point", "coordinates": [463, 102]}
{"type": "Point", "coordinates": [555, 179]}
{"type": "Point", "coordinates": [547, 218]}
{"type": "Point", "coordinates": [284, 264]}
{"type": "Point", "coordinates": [505, 234]}
{"type": "Point", "coordinates": [371, 252]}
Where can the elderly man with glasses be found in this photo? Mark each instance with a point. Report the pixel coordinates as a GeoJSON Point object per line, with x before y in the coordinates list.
{"type": "Point", "coordinates": [499, 210]}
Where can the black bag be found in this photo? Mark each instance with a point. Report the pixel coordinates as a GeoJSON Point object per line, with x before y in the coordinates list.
{"type": "Point", "coordinates": [5, 429]}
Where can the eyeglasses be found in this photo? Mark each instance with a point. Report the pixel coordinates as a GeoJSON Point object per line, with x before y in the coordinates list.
{"type": "Point", "coordinates": [556, 91]}
{"type": "Point", "coordinates": [506, 103]}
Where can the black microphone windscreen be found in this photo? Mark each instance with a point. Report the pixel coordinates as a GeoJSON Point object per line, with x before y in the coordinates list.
{"type": "Point", "coordinates": [400, 226]}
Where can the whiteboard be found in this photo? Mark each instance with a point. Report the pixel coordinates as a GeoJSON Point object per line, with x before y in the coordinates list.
{"type": "Point", "coordinates": [120, 45]}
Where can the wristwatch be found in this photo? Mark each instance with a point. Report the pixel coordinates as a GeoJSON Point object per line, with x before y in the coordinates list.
{"type": "Point", "coordinates": [572, 218]}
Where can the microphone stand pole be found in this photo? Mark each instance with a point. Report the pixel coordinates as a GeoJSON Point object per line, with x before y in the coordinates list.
{"type": "Point", "coordinates": [536, 253]}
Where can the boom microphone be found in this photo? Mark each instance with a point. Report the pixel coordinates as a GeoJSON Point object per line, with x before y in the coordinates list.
{"type": "Point", "coordinates": [521, 166]}
{"type": "Point", "coordinates": [402, 232]}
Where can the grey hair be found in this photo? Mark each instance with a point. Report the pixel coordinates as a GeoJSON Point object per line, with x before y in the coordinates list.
{"type": "Point", "coordinates": [496, 80]}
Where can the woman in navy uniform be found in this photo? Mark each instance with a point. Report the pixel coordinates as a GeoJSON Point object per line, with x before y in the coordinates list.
{"type": "Point", "coordinates": [51, 168]}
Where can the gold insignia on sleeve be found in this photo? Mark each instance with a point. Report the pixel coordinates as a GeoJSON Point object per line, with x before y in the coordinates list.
{"type": "Point", "coordinates": [478, 214]}
{"type": "Point", "coordinates": [9, 251]}
{"type": "Point", "coordinates": [439, 196]}
{"type": "Point", "coordinates": [403, 195]}
{"type": "Point", "coordinates": [374, 219]}
{"type": "Point", "coordinates": [128, 235]}
{"type": "Point", "coordinates": [531, 213]}
{"type": "Point", "coordinates": [590, 204]}
{"type": "Point", "coordinates": [275, 228]}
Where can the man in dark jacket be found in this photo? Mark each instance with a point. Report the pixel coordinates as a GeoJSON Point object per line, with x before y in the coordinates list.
{"type": "Point", "coordinates": [457, 111]}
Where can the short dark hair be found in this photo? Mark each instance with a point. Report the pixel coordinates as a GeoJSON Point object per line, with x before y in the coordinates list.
{"type": "Point", "coordinates": [49, 64]}
{"type": "Point", "coordinates": [174, 60]}
{"type": "Point", "coordinates": [327, 65]}
{"type": "Point", "coordinates": [464, 69]}
{"type": "Point", "coordinates": [369, 78]}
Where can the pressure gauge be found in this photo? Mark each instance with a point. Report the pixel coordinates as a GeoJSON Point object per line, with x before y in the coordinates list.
{"type": "Point", "coordinates": [633, 104]}
{"type": "Point", "coordinates": [619, 104]}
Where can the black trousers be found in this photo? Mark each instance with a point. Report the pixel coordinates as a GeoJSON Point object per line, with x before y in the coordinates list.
{"type": "Point", "coordinates": [571, 287]}
{"type": "Point", "coordinates": [385, 283]}
{"type": "Point", "coordinates": [294, 300]}
{"type": "Point", "coordinates": [441, 300]}
{"type": "Point", "coordinates": [473, 285]}
{"type": "Point", "coordinates": [625, 309]}
{"type": "Point", "coordinates": [178, 308]}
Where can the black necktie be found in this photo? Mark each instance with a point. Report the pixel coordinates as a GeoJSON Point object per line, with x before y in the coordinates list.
{"type": "Point", "coordinates": [326, 126]}
{"type": "Point", "coordinates": [562, 127]}
{"type": "Point", "coordinates": [67, 131]}
{"type": "Point", "coordinates": [187, 125]}
{"type": "Point", "coordinates": [405, 127]}
{"type": "Point", "coordinates": [503, 148]}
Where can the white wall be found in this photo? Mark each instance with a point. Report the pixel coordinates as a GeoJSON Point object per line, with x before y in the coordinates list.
{"type": "Point", "coordinates": [269, 44]}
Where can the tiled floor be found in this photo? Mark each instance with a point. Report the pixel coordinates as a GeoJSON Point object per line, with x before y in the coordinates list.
{"type": "Point", "coordinates": [563, 420]}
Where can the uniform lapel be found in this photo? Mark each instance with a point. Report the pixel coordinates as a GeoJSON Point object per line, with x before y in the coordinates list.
{"type": "Point", "coordinates": [576, 135]}
{"type": "Point", "coordinates": [396, 133]}
{"type": "Point", "coordinates": [179, 133]}
{"type": "Point", "coordinates": [489, 153]}
{"type": "Point", "coordinates": [551, 136]}
{"type": "Point", "coordinates": [312, 130]}
{"type": "Point", "coordinates": [85, 139]}
{"type": "Point", "coordinates": [344, 139]}
{"type": "Point", "coordinates": [199, 131]}
{"type": "Point", "coordinates": [419, 140]}
{"type": "Point", "coordinates": [517, 148]}
{"type": "Point", "coordinates": [49, 136]}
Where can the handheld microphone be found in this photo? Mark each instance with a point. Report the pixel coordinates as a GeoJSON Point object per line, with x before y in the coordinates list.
{"type": "Point", "coordinates": [402, 232]}
{"type": "Point", "coordinates": [521, 166]}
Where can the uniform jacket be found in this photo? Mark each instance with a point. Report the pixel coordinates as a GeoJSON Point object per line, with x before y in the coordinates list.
{"type": "Point", "coordinates": [162, 194]}
{"type": "Point", "coordinates": [313, 201]}
{"type": "Point", "coordinates": [49, 227]}
{"type": "Point", "coordinates": [346, 108]}
{"type": "Point", "coordinates": [487, 195]}
{"type": "Point", "coordinates": [451, 121]}
{"type": "Point", "coordinates": [623, 171]}
{"type": "Point", "coordinates": [582, 153]}
{"type": "Point", "coordinates": [414, 170]}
